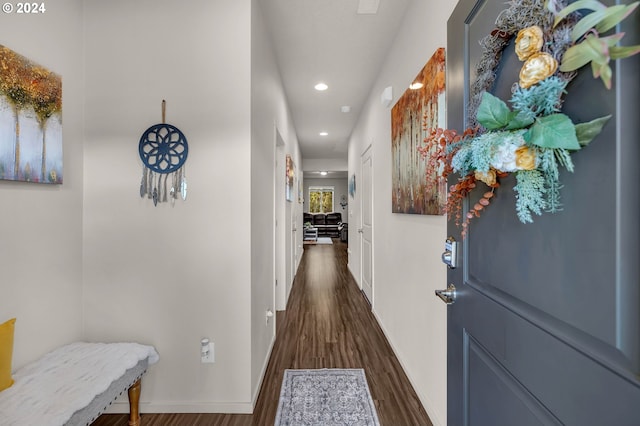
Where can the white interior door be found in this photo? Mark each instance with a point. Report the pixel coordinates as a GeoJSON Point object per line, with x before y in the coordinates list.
{"type": "Point", "coordinates": [288, 255]}
{"type": "Point", "coordinates": [366, 231]}
{"type": "Point", "coordinates": [294, 236]}
{"type": "Point", "coordinates": [279, 240]}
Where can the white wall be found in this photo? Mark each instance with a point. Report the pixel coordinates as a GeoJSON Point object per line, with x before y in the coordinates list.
{"type": "Point", "coordinates": [164, 275]}
{"type": "Point", "coordinates": [407, 248]}
{"type": "Point", "coordinates": [340, 190]}
{"type": "Point", "coordinates": [269, 111]}
{"type": "Point", "coordinates": [41, 226]}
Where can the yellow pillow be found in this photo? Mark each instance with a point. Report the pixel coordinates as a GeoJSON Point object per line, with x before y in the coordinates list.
{"type": "Point", "coordinates": [6, 352]}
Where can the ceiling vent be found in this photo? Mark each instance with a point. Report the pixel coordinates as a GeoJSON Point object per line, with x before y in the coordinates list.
{"type": "Point", "coordinates": [368, 7]}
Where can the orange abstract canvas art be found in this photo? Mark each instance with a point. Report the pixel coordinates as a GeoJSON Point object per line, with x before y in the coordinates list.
{"type": "Point", "coordinates": [418, 187]}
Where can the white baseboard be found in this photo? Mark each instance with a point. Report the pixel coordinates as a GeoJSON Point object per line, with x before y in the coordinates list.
{"type": "Point", "coordinates": [426, 402]}
{"type": "Point", "coordinates": [183, 407]}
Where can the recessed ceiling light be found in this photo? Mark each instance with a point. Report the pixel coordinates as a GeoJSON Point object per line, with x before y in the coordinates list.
{"type": "Point", "coordinates": [324, 134]}
{"type": "Point", "coordinates": [323, 173]}
{"type": "Point", "coordinates": [321, 86]}
{"type": "Point", "coordinates": [345, 108]}
{"type": "Point", "coordinates": [416, 85]}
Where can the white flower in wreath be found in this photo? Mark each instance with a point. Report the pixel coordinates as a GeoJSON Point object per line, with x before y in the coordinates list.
{"type": "Point", "coordinates": [505, 156]}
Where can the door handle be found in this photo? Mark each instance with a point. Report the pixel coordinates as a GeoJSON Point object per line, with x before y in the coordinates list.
{"type": "Point", "coordinates": [448, 296]}
{"type": "Point", "coordinates": [360, 230]}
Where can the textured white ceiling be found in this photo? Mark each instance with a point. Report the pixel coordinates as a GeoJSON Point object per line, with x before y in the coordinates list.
{"type": "Point", "coordinates": [327, 40]}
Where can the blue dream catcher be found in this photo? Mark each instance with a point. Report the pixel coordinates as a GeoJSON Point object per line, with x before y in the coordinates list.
{"type": "Point", "coordinates": [163, 150]}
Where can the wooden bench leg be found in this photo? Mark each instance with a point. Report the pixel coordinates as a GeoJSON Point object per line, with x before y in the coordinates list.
{"type": "Point", "coordinates": [134, 402]}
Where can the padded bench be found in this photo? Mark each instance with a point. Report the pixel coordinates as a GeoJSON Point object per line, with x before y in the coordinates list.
{"type": "Point", "coordinates": [73, 385]}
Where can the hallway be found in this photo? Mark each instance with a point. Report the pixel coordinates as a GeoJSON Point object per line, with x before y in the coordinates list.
{"type": "Point", "coordinates": [327, 324]}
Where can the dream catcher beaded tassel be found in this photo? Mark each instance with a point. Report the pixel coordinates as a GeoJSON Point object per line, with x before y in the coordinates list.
{"type": "Point", "coordinates": [163, 150]}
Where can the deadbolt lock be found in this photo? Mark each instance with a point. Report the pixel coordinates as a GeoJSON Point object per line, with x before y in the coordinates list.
{"type": "Point", "coordinates": [450, 255]}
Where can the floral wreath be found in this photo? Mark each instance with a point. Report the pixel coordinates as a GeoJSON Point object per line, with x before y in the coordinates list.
{"type": "Point", "coordinates": [534, 139]}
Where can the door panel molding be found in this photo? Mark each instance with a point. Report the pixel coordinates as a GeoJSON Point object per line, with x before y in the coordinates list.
{"type": "Point", "coordinates": [607, 356]}
{"type": "Point", "coordinates": [533, 358]}
{"type": "Point", "coordinates": [509, 389]}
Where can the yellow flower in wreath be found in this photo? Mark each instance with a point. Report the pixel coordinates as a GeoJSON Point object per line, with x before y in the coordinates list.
{"type": "Point", "coordinates": [538, 67]}
{"type": "Point", "coordinates": [488, 177]}
{"type": "Point", "coordinates": [525, 158]}
{"type": "Point", "coordinates": [529, 41]}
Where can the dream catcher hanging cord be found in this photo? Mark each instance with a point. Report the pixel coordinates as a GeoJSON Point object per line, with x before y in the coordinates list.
{"type": "Point", "coordinates": [163, 149]}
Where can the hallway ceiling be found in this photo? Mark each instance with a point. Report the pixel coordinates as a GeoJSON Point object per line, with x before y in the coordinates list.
{"type": "Point", "coordinates": [328, 41]}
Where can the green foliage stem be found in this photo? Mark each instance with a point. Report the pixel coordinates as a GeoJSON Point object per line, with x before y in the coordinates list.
{"type": "Point", "coordinates": [530, 191]}
{"type": "Point", "coordinates": [595, 49]}
{"type": "Point", "coordinates": [540, 99]}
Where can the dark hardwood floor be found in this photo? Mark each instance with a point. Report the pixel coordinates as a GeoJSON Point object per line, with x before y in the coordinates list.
{"type": "Point", "coordinates": [328, 324]}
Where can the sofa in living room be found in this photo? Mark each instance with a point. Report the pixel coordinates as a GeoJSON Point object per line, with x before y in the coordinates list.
{"type": "Point", "coordinates": [328, 224]}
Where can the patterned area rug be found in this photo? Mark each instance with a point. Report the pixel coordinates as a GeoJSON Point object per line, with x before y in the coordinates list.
{"type": "Point", "coordinates": [327, 397]}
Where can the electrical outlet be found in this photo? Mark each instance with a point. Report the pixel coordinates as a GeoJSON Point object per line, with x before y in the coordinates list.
{"type": "Point", "coordinates": [207, 353]}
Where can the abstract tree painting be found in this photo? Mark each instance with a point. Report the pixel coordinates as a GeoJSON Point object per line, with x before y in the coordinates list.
{"type": "Point", "coordinates": [421, 107]}
{"type": "Point", "coordinates": [30, 120]}
{"type": "Point", "coordinates": [289, 179]}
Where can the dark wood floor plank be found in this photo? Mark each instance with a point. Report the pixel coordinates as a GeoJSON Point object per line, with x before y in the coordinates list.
{"type": "Point", "coordinates": [328, 324]}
